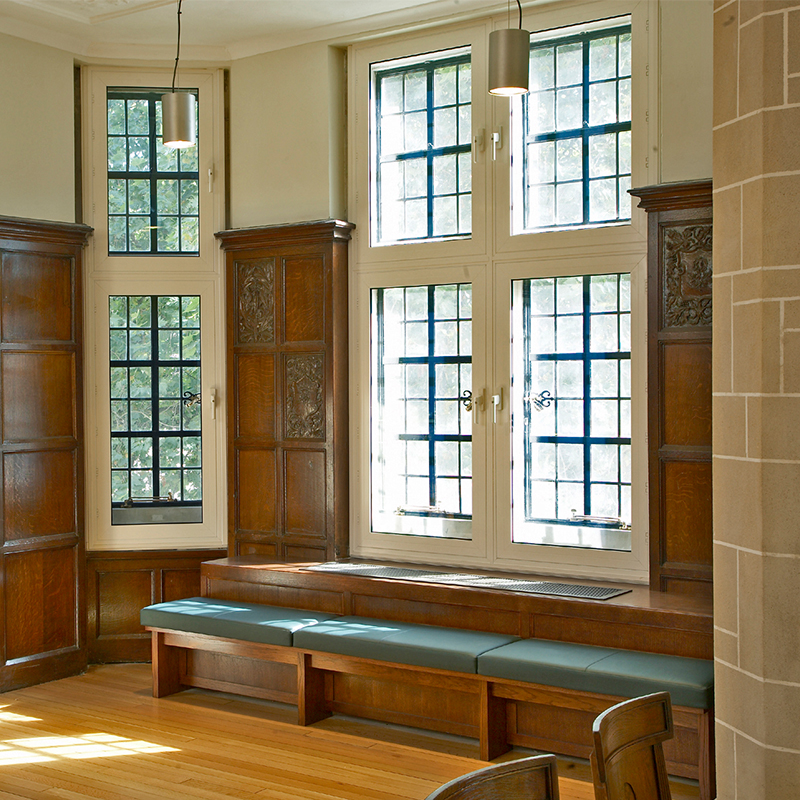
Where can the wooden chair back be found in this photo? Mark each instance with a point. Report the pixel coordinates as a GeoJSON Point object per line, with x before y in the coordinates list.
{"type": "Point", "coordinates": [628, 759]}
{"type": "Point", "coordinates": [534, 778]}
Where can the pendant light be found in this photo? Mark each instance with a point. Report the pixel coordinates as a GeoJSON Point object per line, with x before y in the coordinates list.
{"type": "Point", "coordinates": [178, 109]}
{"type": "Point", "coordinates": [509, 57]}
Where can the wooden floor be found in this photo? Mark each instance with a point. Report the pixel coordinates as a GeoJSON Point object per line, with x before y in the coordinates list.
{"type": "Point", "coordinates": [102, 735]}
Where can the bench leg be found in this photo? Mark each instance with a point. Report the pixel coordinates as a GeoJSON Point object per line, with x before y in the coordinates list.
{"type": "Point", "coordinates": [706, 757]}
{"type": "Point", "coordinates": [493, 724]}
{"type": "Point", "coordinates": [310, 692]}
{"type": "Point", "coordinates": [167, 663]}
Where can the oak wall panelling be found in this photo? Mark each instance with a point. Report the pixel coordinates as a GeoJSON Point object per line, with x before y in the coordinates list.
{"type": "Point", "coordinates": [679, 385]}
{"type": "Point", "coordinates": [120, 584]}
{"type": "Point", "coordinates": [42, 552]}
{"type": "Point", "coordinates": [287, 384]}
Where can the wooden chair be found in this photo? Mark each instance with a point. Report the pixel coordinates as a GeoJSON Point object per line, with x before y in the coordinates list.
{"type": "Point", "coordinates": [628, 759]}
{"type": "Point", "coordinates": [534, 778]}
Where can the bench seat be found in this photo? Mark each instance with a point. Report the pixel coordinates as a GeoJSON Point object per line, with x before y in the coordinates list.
{"type": "Point", "coordinates": [602, 670]}
{"type": "Point", "coordinates": [401, 642]}
{"type": "Point", "coordinates": [250, 622]}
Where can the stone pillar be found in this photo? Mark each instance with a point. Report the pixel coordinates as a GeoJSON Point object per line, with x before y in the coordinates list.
{"type": "Point", "coordinates": [756, 411]}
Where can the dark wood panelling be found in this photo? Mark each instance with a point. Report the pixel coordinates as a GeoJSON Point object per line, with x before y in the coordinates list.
{"type": "Point", "coordinates": [642, 619]}
{"type": "Point", "coordinates": [306, 495]}
{"type": "Point", "coordinates": [687, 384]}
{"type": "Point", "coordinates": [257, 489]}
{"type": "Point", "coordinates": [254, 395]}
{"type": "Point", "coordinates": [287, 380]}
{"type": "Point", "coordinates": [687, 512]}
{"type": "Point", "coordinates": [679, 250]}
{"type": "Point", "coordinates": [39, 492]}
{"type": "Point", "coordinates": [39, 391]}
{"type": "Point", "coordinates": [37, 298]}
{"type": "Point", "coordinates": [304, 310]}
{"type": "Point", "coordinates": [41, 611]}
{"type": "Point", "coordinates": [42, 563]}
{"type": "Point", "coordinates": [121, 584]}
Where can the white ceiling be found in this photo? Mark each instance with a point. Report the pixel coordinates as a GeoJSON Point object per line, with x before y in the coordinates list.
{"type": "Point", "coordinates": [217, 30]}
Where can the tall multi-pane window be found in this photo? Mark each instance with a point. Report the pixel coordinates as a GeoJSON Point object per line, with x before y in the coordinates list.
{"type": "Point", "coordinates": [576, 130]}
{"type": "Point", "coordinates": [153, 191]}
{"type": "Point", "coordinates": [156, 425]}
{"type": "Point", "coordinates": [421, 144]}
{"type": "Point", "coordinates": [572, 411]}
{"type": "Point", "coordinates": [421, 463]}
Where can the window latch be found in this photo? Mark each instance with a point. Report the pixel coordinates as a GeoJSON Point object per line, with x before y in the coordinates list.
{"type": "Point", "coordinates": [497, 142]}
{"type": "Point", "coordinates": [497, 403]}
{"type": "Point", "coordinates": [478, 144]}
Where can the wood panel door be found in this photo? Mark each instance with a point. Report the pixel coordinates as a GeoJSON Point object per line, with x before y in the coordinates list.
{"type": "Point", "coordinates": [287, 390]}
{"type": "Point", "coordinates": [43, 609]}
{"type": "Point", "coordinates": [679, 385]}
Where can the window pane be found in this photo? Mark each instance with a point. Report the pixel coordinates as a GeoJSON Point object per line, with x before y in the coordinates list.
{"type": "Point", "coordinates": [150, 410]}
{"type": "Point", "coordinates": [570, 412]}
{"type": "Point", "coordinates": [421, 434]}
{"type": "Point", "coordinates": [422, 111]}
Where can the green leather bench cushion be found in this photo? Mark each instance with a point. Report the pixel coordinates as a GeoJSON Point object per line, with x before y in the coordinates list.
{"type": "Point", "coordinates": [623, 673]}
{"type": "Point", "coordinates": [251, 622]}
{"type": "Point", "coordinates": [400, 642]}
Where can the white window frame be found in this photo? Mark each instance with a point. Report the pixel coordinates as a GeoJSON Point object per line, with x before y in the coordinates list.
{"type": "Point", "coordinates": [491, 260]}
{"type": "Point", "coordinates": [150, 274]}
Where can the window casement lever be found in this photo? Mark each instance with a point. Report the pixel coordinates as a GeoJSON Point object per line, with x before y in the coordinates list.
{"type": "Point", "coordinates": [497, 403]}
{"type": "Point", "coordinates": [478, 144]}
{"type": "Point", "coordinates": [497, 142]}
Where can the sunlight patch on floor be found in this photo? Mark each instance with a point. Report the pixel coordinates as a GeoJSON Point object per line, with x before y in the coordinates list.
{"type": "Point", "coordinates": [90, 745]}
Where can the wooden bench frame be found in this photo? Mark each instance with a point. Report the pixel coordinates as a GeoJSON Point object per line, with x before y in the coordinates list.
{"type": "Point", "coordinates": [500, 713]}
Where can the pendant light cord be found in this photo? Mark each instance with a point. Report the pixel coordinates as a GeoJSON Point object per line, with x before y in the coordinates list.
{"type": "Point", "coordinates": [519, 6]}
{"type": "Point", "coordinates": [178, 54]}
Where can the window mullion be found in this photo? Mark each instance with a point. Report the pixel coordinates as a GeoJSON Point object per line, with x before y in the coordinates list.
{"type": "Point", "coordinates": [587, 397]}
{"type": "Point", "coordinates": [431, 399]}
{"type": "Point", "coordinates": [429, 154]}
{"type": "Point", "coordinates": [585, 129]}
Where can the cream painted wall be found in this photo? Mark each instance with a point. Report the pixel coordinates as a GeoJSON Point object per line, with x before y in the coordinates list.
{"type": "Point", "coordinates": [686, 55]}
{"type": "Point", "coordinates": [37, 173]}
{"type": "Point", "coordinates": [286, 138]}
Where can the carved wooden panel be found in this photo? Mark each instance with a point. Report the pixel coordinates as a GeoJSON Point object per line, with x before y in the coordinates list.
{"type": "Point", "coordinates": [254, 395]}
{"type": "Point", "coordinates": [288, 390]}
{"type": "Point", "coordinates": [304, 299]}
{"type": "Point", "coordinates": [122, 595]}
{"type": "Point", "coordinates": [38, 395]}
{"type": "Point", "coordinates": [687, 275]}
{"type": "Point", "coordinates": [39, 492]}
{"type": "Point", "coordinates": [37, 297]}
{"type": "Point", "coordinates": [255, 301]}
{"type": "Point", "coordinates": [306, 496]}
{"type": "Point", "coordinates": [304, 407]}
{"type": "Point", "coordinates": [679, 245]}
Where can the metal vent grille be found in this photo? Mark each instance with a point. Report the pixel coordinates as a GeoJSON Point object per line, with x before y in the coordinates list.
{"type": "Point", "coordinates": [465, 579]}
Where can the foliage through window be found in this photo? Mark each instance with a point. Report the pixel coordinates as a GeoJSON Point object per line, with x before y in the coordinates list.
{"type": "Point", "coordinates": [576, 131]}
{"type": "Point", "coordinates": [153, 191]}
{"type": "Point", "coordinates": [421, 143]}
{"type": "Point", "coordinates": [421, 477]}
{"type": "Point", "coordinates": [572, 411]}
{"type": "Point", "coordinates": [156, 425]}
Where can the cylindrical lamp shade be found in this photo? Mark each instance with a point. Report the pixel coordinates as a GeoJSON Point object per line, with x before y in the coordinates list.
{"type": "Point", "coordinates": [509, 57]}
{"type": "Point", "coordinates": [179, 119]}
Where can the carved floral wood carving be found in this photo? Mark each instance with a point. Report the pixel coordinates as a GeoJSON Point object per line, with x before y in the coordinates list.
{"type": "Point", "coordinates": [305, 411]}
{"type": "Point", "coordinates": [687, 275]}
{"type": "Point", "coordinates": [256, 301]}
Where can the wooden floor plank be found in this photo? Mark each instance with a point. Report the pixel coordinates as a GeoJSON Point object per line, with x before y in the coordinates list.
{"type": "Point", "coordinates": [213, 746]}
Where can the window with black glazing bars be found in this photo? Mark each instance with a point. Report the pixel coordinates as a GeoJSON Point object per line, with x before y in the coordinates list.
{"type": "Point", "coordinates": [422, 368]}
{"type": "Point", "coordinates": [423, 166]}
{"type": "Point", "coordinates": [153, 191]}
{"type": "Point", "coordinates": [577, 389]}
{"type": "Point", "coordinates": [577, 130]}
{"type": "Point", "coordinates": [156, 447]}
